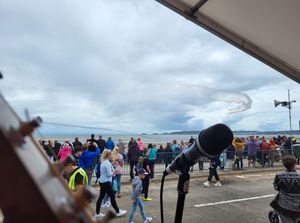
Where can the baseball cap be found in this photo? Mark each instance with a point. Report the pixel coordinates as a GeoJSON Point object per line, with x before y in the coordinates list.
{"type": "Point", "coordinates": [142, 171]}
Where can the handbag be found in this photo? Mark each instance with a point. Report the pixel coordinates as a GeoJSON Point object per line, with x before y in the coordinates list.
{"type": "Point", "coordinates": [115, 186]}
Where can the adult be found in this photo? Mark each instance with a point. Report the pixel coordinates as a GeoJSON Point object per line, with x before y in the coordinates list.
{"type": "Point", "coordinates": [230, 154]}
{"type": "Point", "coordinates": [76, 142]}
{"type": "Point", "coordinates": [273, 151]}
{"type": "Point", "coordinates": [92, 139]}
{"type": "Point", "coordinates": [121, 146]}
{"type": "Point", "coordinates": [133, 156]}
{"type": "Point", "coordinates": [51, 150]}
{"type": "Point", "coordinates": [88, 158]}
{"type": "Point", "coordinates": [252, 150]}
{"type": "Point", "coordinates": [191, 141]}
{"type": "Point", "coordinates": [46, 148]}
{"type": "Point", "coordinates": [140, 144]}
{"type": "Point", "coordinates": [106, 174]}
{"type": "Point", "coordinates": [64, 152]}
{"type": "Point", "coordinates": [182, 145]}
{"type": "Point", "coordinates": [264, 147]}
{"type": "Point", "coordinates": [117, 163]}
{"type": "Point", "coordinates": [175, 149]}
{"type": "Point", "coordinates": [101, 143]}
{"type": "Point", "coordinates": [167, 154]}
{"type": "Point", "coordinates": [77, 177]}
{"type": "Point", "coordinates": [57, 146]}
{"type": "Point", "coordinates": [287, 202]}
{"type": "Point", "coordinates": [109, 144]}
{"type": "Point", "coordinates": [152, 150]}
{"type": "Point", "coordinates": [286, 146]}
{"type": "Point", "coordinates": [239, 145]}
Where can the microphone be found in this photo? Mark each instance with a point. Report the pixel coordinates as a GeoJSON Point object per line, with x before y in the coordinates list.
{"type": "Point", "coordinates": [211, 142]}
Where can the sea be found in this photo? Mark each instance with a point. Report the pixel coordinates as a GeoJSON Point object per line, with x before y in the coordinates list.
{"type": "Point", "coordinates": [159, 139]}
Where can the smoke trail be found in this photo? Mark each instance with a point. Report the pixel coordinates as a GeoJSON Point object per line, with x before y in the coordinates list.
{"type": "Point", "coordinates": [242, 100]}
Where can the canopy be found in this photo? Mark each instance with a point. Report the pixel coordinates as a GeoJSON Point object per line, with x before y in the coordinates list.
{"type": "Point", "coordinates": [269, 30]}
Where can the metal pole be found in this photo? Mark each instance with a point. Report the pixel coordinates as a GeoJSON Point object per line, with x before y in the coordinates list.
{"type": "Point", "coordinates": [290, 107]}
{"type": "Point", "coordinates": [290, 119]}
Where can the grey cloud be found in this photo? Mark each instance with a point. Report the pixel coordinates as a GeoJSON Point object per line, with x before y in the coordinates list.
{"type": "Point", "coordinates": [128, 65]}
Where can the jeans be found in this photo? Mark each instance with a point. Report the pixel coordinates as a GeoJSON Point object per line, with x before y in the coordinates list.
{"type": "Point", "coordinates": [118, 180]}
{"type": "Point", "coordinates": [106, 188]}
{"type": "Point", "coordinates": [136, 203]}
{"type": "Point", "coordinates": [89, 175]}
{"type": "Point", "coordinates": [132, 165]}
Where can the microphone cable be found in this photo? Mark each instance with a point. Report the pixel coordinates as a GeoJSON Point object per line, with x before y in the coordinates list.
{"type": "Point", "coordinates": [162, 197]}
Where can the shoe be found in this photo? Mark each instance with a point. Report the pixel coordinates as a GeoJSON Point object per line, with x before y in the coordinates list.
{"type": "Point", "coordinates": [106, 205]}
{"type": "Point", "coordinates": [207, 184]}
{"type": "Point", "coordinates": [218, 184]}
{"type": "Point", "coordinates": [121, 213]}
{"type": "Point", "coordinates": [100, 215]}
{"type": "Point", "coordinates": [147, 199]}
{"type": "Point", "coordinates": [147, 220]}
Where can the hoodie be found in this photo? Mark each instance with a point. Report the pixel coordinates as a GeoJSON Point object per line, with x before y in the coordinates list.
{"type": "Point", "coordinates": [141, 145]}
{"type": "Point", "coordinates": [87, 159]}
{"type": "Point", "coordinates": [63, 153]}
{"type": "Point", "coordinates": [137, 187]}
{"type": "Point", "coordinates": [110, 145]}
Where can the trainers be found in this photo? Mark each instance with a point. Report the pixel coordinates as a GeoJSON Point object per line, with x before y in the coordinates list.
{"type": "Point", "coordinates": [207, 184]}
{"type": "Point", "coordinates": [106, 205]}
{"type": "Point", "coordinates": [147, 220]}
{"type": "Point", "coordinates": [218, 184]}
{"type": "Point", "coordinates": [100, 215]}
{"type": "Point", "coordinates": [121, 213]}
{"type": "Point", "coordinates": [147, 199]}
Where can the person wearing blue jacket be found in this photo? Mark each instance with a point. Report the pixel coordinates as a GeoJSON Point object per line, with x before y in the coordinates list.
{"type": "Point", "coordinates": [87, 159]}
{"type": "Point", "coordinates": [109, 144]}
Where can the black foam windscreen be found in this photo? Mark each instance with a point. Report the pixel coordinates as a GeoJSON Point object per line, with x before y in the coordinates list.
{"type": "Point", "coordinates": [215, 139]}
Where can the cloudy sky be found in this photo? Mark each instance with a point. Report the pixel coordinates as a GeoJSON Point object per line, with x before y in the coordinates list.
{"type": "Point", "coordinates": [132, 65]}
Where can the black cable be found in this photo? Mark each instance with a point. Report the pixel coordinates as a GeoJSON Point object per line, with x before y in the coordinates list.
{"type": "Point", "coordinates": [162, 197]}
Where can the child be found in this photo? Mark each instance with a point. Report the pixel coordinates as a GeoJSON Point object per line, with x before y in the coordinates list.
{"type": "Point", "coordinates": [287, 203]}
{"type": "Point", "coordinates": [135, 196]}
{"type": "Point", "coordinates": [214, 163]}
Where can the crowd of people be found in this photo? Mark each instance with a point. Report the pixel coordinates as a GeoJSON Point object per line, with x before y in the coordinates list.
{"type": "Point", "coordinates": [106, 159]}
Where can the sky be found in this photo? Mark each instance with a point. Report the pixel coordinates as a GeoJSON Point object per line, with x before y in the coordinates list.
{"type": "Point", "coordinates": [132, 66]}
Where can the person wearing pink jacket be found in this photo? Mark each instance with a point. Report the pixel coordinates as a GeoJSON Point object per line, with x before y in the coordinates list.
{"type": "Point", "coordinates": [140, 144]}
{"type": "Point", "coordinates": [64, 152]}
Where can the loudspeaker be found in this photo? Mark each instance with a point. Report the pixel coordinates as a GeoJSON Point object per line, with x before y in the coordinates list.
{"type": "Point", "coordinates": [276, 103]}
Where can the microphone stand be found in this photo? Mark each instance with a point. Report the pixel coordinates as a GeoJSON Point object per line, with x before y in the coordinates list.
{"type": "Point", "coordinates": [182, 189]}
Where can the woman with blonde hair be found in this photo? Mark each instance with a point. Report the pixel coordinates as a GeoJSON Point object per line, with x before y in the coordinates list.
{"type": "Point", "coordinates": [117, 163]}
{"type": "Point", "coordinates": [106, 174]}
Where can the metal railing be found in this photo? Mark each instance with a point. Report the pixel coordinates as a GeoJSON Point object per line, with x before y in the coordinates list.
{"type": "Point", "coordinates": [228, 160]}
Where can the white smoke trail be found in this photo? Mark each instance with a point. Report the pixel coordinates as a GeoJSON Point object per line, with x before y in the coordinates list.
{"type": "Point", "coordinates": [242, 100]}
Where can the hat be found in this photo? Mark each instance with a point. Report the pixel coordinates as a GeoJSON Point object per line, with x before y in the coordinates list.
{"type": "Point", "coordinates": [142, 171]}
